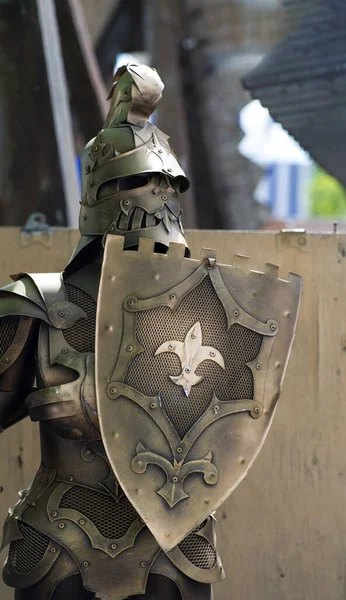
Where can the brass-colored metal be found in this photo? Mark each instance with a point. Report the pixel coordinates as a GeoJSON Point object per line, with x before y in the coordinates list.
{"type": "Point", "coordinates": [140, 441]}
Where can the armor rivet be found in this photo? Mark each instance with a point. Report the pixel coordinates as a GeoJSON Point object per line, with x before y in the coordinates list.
{"type": "Point", "coordinates": [85, 218]}
{"type": "Point", "coordinates": [171, 347]}
{"type": "Point", "coordinates": [6, 360]}
{"type": "Point", "coordinates": [85, 563]}
{"type": "Point", "coordinates": [95, 148]}
{"type": "Point", "coordinates": [88, 452]}
{"type": "Point", "coordinates": [174, 479]}
{"type": "Point", "coordinates": [173, 296]}
{"type": "Point", "coordinates": [206, 501]}
{"type": "Point", "coordinates": [164, 197]}
{"type": "Point", "coordinates": [256, 410]}
{"type": "Point", "coordinates": [236, 313]}
{"type": "Point", "coordinates": [179, 450]}
{"type": "Point", "coordinates": [112, 228]}
{"type": "Point", "coordinates": [61, 313]}
{"type": "Point", "coordinates": [129, 348]}
{"type": "Point", "coordinates": [273, 327]}
{"type": "Point", "coordinates": [130, 302]}
{"type": "Point", "coordinates": [258, 367]}
{"type": "Point", "coordinates": [153, 405]}
{"type": "Point", "coordinates": [193, 336]}
{"type": "Point", "coordinates": [170, 170]}
{"type": "Point", "coordinates": [82, 522]}
{"type": "Point", "coordinates": [160, 150]}
{"type": "Point", "coordinates": [114, 390]}
{"type": "Point", "coordinates": [114, 546]}
{"type": "Point", "coordinates": [216, 409]}
{"type": "Point", "coordinates": [64, 351]}
{"type": "Point", "coordinates": [70, 478]}
{"type": "Point", "coordinates": [91, 183]}
{"type": "Point", "coordinates": [87, 169]}
{"type": "Point", "coordinates": [61, 525]}
{"type": "Point", "coordinates": [187, 369]}
{"type": "Point", "coordinates": [143, 564]}
{"type": "Point", "coordinates": [126, 202]}
{"type": "Point", "coordinates": [54, 513]}
{"type": "Point", "coordinates": [53, 549]}
{"type": "Point", "coordinates": [212, 354]}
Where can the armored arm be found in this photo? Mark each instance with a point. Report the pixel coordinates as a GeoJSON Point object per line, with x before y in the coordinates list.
{"type": "Point", "coordinates": [20, 313]}
{"type": "Point", "coordinates": [18, 337]}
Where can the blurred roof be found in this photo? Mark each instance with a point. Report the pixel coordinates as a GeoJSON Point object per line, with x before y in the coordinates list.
{"type": "Point", "coordinates": [303, 81]}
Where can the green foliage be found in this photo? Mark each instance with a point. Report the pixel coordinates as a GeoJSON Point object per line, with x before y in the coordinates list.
{"type": "Point", "coordinates": [327, 196]}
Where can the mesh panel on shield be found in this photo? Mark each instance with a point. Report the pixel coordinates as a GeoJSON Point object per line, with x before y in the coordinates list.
{"type": "Point", "coordinates": [198, 551]}
{"type": "Point", "coordinates": [26, 553]}
{"type": "Point", "coordinates": [112, 518]}
{"type": "Point", "coordinates": [150, 374]}
{"type": "Point", "coordinates": [8, 329]}
{"type": "Point", "coordinates": [81, 336]}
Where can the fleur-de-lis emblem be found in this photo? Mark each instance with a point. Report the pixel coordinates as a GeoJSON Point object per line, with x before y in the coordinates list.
{"type": "Point", "coordinates": [191, 354]}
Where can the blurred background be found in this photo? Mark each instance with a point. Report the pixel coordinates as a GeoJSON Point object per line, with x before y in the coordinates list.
{"type": "Point", "coordinates": [57, 61]}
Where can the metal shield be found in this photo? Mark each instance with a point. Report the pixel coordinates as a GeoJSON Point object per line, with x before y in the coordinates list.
{"type": "Point", "coordinates": [190, 358]}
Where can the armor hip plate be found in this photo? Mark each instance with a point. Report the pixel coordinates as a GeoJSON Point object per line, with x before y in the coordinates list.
{"type": "Point", "coordinates": [190, 357]}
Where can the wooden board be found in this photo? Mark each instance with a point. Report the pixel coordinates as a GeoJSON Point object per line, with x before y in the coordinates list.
{"type": "Point", "coordinates": [282, 534]}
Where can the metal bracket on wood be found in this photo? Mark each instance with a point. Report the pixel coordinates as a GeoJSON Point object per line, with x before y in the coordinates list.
{"type": "Point", "coordinates": [36, 229]}
{"type": "Point", "coordinates": [292, 238]}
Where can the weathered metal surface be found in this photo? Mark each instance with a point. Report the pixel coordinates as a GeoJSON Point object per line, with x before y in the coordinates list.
{"type": "Point", "coordinates": [232, 331]}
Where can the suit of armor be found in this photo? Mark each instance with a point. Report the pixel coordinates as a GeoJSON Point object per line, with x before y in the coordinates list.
{"type": "Point", "coordinates": [189, 355]}
{"type": "Point", "coordinates": [74, 533]}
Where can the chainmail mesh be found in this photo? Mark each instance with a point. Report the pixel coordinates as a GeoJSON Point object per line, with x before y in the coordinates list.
{"type": "Point", "coordinates": [198, 551]}
{"type": "Point", "coordinates": [149, 373]}
{"type": "Point", "coordinates": [81, 336]}
{"type": "Point", "coordinates": [112, 518]}
{"type": "Point", "coordinates": [26, 553]}
{"type": "Point", "coordinates": [8, 329]}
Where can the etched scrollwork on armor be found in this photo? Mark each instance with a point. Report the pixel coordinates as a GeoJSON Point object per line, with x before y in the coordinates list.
{"type": "Point", "coordinates": [176, 472]}
{"type": "Point", "coordinates": [173, 490]}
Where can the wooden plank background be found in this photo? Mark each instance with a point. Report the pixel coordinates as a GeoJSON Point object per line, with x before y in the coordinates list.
{"type": "Point", "coordinates": [282, 534]}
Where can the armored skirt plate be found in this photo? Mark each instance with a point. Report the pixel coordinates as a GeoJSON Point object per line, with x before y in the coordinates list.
{"type": "Point", "coordinates": [190, 357]}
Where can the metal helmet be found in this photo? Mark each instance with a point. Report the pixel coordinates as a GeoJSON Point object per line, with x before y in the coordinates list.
{"type": "Point", "coordinates": [131, 179]}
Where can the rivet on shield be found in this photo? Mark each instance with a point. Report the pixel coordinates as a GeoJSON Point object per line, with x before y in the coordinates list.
{"type": "Point", "coordinates": [143, 564]}
{"type": "Point", "coordinates": [258, 366]}
{"type": "Point", "coordinates": [113, 546]}
{"type": "Point", "coordinates": [171, 347]}
{"type": "Point", "coordinates": [236, 313]}
{"type": "Point", "coordinates": [153, 405]}
{"type": "Point", "coordinates": [129, 348]}
{"type": "Point", "coordinates": [216, 409]}
{"type": "Point", "coordinates": [61, 525]}
{"type": "Point", "coordinates": [173, 296]}
{"type": "Point", "coordinates": [212, 354]}
{"type": "Point", "coordinates": [179, 450]}
{"type": "Point", "coordinates": [273, 327]}
{"type": "Point", "coordinates": [175, 479]}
